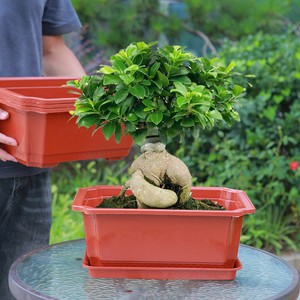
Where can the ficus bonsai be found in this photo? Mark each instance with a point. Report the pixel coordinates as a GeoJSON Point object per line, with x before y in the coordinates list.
{"type": "Point", "coordinates": [156, 95]}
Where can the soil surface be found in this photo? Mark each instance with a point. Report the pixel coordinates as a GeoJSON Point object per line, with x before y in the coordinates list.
{"type": "Point", "coordinates": [130, 202]}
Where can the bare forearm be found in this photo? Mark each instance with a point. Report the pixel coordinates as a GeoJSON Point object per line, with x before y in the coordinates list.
{"type": "Point", "coordinates": [59, 60]}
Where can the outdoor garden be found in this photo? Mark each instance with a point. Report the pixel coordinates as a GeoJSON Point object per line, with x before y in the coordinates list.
{"type": "Point", "coordinates": [259, 154]}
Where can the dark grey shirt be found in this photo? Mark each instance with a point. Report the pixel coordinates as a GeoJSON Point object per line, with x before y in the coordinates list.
{"type": "Point", "coordinates": [22, 24]}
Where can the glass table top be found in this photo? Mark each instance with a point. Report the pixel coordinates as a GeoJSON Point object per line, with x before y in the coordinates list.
{"type": "Point", "coordinates": [56, 272]}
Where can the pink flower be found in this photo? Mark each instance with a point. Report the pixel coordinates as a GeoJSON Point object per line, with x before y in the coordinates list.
{"type": "Point", "coordinates": [294, 165]}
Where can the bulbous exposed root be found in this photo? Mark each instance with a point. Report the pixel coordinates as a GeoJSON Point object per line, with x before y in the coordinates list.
{"type": "Point", "coordinates": [179, 174]}
{"type": "Point", "coordinates": [150, 195]}
{"type": "Point", "coordinates": [149, 172]}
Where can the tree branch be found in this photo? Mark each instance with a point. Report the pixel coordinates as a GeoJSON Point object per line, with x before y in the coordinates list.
{"type": "Point", "coordinates": [201, 35]}
{"type": "Point", "coordinates": [198, 33]}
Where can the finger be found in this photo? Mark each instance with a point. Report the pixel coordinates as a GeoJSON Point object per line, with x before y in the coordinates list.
{"type": "Point", "coordinates": [3, 114]}
{"type": "Point", "coordinates": [7, 140]}
{"type": "Point", "coordinates": [4, 156]}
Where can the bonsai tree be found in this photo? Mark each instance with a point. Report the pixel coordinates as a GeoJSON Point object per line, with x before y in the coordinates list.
{"type": "Point", "coordinates": [154, 95]}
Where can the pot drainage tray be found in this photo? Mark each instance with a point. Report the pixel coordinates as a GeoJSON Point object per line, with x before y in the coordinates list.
{"type": "Point", "coordinates": [158, 272]}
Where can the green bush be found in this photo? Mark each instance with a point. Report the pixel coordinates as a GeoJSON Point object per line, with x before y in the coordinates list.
{"type": "Point", "coordinates": [116, 23]}
{"type": "Point", "coordinates": [254, 155]}
{"type": "Point", "coordinates": [67, 178]}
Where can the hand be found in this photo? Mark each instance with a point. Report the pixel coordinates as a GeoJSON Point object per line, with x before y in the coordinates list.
{"type": "Point", "coordinates": [6, 140]}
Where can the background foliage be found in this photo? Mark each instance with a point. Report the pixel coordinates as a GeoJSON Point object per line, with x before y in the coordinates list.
{"type": "Point", "coordinates": [114, 24]}
{"type": "Point", "coordinates": [262, 38]}
{"type": "Point", "coordinates": [254, 154]}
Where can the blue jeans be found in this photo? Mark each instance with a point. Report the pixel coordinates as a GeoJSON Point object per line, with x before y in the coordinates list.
{"type": "Point", "coordinates": [25, 220]}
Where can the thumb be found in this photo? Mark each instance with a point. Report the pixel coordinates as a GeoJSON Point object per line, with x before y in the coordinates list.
{"type": "Point", "coordinates": [3, 114]}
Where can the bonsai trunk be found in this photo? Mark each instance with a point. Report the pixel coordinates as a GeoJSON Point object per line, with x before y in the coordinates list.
{"type": "Point", "coordinates": [159, 179]}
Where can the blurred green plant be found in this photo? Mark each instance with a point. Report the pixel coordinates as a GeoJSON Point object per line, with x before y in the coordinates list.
{"type": "Point", "coordinates": [67, 178]}
{"type": "Point", "coordinates": [114, 24]}
{"type": "Point", "coordinates": [256, 153]}
{"type": "Point", "coordinates": [270, 228]}
{"type": "Point", "coordinates": [236, 19]}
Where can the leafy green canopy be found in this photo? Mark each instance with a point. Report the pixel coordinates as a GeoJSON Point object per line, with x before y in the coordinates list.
{"type": "Point", "coordinates": [167, 88]}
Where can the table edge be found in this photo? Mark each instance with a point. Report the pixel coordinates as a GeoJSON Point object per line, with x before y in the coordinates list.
{"type": "Point", "coordinates": [290, 291]}
{"type": "Point", "coordinates": [17, 287]}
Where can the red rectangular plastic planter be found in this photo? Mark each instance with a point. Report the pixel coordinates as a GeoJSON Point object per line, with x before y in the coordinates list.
{"type": "Point", "coordinates": [163, 237]}
{"type": "Point", "coordinates": [40, 122]}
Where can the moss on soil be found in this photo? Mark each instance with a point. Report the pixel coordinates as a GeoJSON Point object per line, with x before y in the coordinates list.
{"type": "Point", "coordinates": [130, 202]}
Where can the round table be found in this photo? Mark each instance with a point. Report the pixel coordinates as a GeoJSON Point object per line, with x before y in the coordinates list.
{"type": "Point", "coordinates": [56, 272]}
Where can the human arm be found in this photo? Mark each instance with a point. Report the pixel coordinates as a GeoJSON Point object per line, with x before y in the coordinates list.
{"type": "Point", "coordinates": [58, 59]}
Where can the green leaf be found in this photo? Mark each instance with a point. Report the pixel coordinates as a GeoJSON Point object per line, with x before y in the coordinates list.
{"type": "Point", "coordinates": [216, 114]}
{"type": "Point", "coordinates": [187, 122]}
{"type": "Point", "coordinates": [99, 91]}
{"type": "Point", "coordinates": [199, 117]}
{"type": "Point", "coordinates": [180, 88]}
{"type": "Point", "coordinates": [195, 132]}
{"type": "Point", "coordinates": [152, 43]}
{"type": "Point", "coordinates": [180, 71]}
{"type": "Point", "coordinates": [132, 117]}
{"type": "Point", "coordinates": [234, 115]}
{"type": "Point", "coordinates": [130, 127]}
{"type": "Point", "coordinates": [127, 78]}
{"type": "Point", "coordinates": [145, 82]}
{"type": "Point", "coordinates": [121, 95]}
{"type": "Point", "coordinates": [237, 90]}
{"type": "Point", "coordinates": [111, 79]}
{"type": "Point", "coordinates": [107, 70]}
{"type": "Point", "coordinates": [162, 78]}
{"type": "Point", "coordinates": [130, 50]}
{"type": "Point", "coordinates": [118, 133]}
{"type": "Point", "coordinates": [139, 136]}
{"type": "Point", "coordinates": [181, 101]}
{"type": "Point", "coordinates": [278, 98]}
{"type": "Point", "coordinates": [108, 129]}
{"type": "Point", "coordinates": [230, 67]}
{"type": "Point", "coordinates": [142, 45]}
{"type": "Point", "coordinates": [212, 61]}
{"type": "Point", "coordinates": [138, 59]}
{"type": "Point", "coordinates": [270, 112]}
{"type": "Point", "coordinates": [205, 62]}
{"type": "Point", "coordinates": [138, 91]}
{"type": "Point", "coordinates": [154, 68]}
{"type": "Point", "coordinates": [149, 103]}
{"type": "Point", "coordinates": [286, 92]}
{"type": "Point", "coordinates": [127, 104]}
{"type": "Point", "coordinates": [132, 69]}
{"type": "Point", "coordinates": [171, 133]}
{"type": "Point", "coordinates": [88, 120]}
{"type": "Point", "coordinates": [119, 65]}
{"type": "Point", "coordinates": [157, 117]}
{"type": "Point", "coordinates": [170, 49]}
{"type": "Point", "coordinates": [112, 116]}
{"type": "Point", "coordinates": [227, 120]}
{"type": "Point", "coordinates": [139, 111]}
{"type": "Point", "coordinates": [183, 79]}
{"type": "Point", "coordinates": [171, 70]}
{"type": "Point", "coordinates": [158, 83]}
{"type": "Point", "coordinates": [83, 109]}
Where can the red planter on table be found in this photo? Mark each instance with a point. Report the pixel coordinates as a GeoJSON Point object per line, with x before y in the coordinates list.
{"type": "Point", "coordinates": [40, 122]}
{"type": "Point", "coordinates": [176, 242]}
